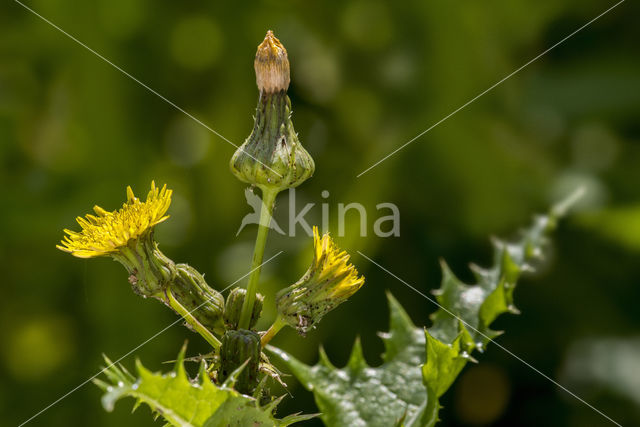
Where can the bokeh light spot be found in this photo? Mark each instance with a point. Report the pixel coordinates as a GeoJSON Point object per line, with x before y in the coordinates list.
{"type": "Point", "coordinates": [319, 74]}
{"type": "Point", "coordinates": [367, 24]}
{"type": "Point", "coordinates": [37, 346]}
{"type": "Point", "coordinates": [196, 42]}
{"type": "Point", "coordinates": [594, 147]}
{"type": "Point", "coordinates": [186, 142]}
{"type": "Point", "coordinates": [482, 394]}
{"type": "Point", "coordinates": [121, 18]}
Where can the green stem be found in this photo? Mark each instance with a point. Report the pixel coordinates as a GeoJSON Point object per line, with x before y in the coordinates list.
{"type": "Point", "coordinates": [272, 331]}
{"type": "Point", "coordinates": [268, 201]}
{"type": "Point", "coordinates": [179, 308]}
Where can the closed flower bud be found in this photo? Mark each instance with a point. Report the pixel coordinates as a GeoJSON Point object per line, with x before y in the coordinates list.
{"type": "Point", "coordinates": [330, 280]}
{"type": "Point", "coordinates": [237, 348]}
{"type": "Point", "coordinates": [272, 157]}
{"type": "Point", "coordinates": [233, 308]}
{"type": "Point", "coordinates": [193, 293]}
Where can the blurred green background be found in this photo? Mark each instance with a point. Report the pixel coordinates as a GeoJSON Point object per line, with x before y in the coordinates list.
{"type": "Point", "coordinates": [366, 77]}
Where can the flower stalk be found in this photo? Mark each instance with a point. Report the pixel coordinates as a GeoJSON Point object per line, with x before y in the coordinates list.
{"type": "Point", "coordinates": [192, 321]}
{"type": "Point", "coordinates": [272, 157]}
{"type": "Point", "coordinates": [266, 211]}
{"type": "Point", "coordinates": [233, 308]}
{"type": "Point", "coordinates": [272, 331]}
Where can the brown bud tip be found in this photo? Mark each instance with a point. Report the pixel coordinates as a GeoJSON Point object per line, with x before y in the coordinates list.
{"type": "Point", "coordinates": [271, 65]}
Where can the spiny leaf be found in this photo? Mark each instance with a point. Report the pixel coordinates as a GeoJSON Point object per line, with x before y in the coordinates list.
{"type": "Point", "coordinates": [358, 395]}
{"type": "Point", "coordinates": [239, 411]}
{"type": "Point", "coordinates": [419, 365]}
{"type": "Point", "coordinates": [443, 363]}
{"type": "Point", "coordinates": [187, 403]}
{"type": "Point", "coordinates": [480, 304]}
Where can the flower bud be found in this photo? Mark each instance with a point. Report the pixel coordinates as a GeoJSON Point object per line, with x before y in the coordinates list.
{"type": "Point", "coordinates": [233, 308]}
{"type": "Point", "coordinates": [152, 274]}
{"type": "Point", "coordinates": [205, 304]}
{"type": "Point", "coordinates": [272, 156]}
{"type": "Point", "coordinates": [330, 280]}
{"type": "Point", "coordinates": [237, 348]}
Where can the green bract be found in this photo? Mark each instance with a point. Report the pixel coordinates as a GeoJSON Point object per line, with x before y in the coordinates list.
{"type": "Point", "coordinates": [272, 157]}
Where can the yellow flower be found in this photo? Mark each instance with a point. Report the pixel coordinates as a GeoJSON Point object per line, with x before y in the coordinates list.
{"type": "Point", "coordinates": [330, 280]}
{"type": "Point", "coordinates": [127, 236]}
{"type": "Point", "coordinates": [107, 232]}
{"type": "Point", "coordinates": [331, 265]}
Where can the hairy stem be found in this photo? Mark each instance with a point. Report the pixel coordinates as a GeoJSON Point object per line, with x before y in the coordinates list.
{"type": "Point", "coordinates": [268, 201]}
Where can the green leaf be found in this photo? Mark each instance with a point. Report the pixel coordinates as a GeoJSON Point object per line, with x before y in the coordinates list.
{"type": "Point", "coordinates": [358, 395]}
{"type": "Point", "coordinates": [241, 412]}
{"type": "Point", "coordinates": [443, 363]}
{"type": "Point", "coordinates": [419, 365]}
{"type": "Point", "coordinates": [187, 403]}
{"type": "Point", "coordinates": [480, 304]}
